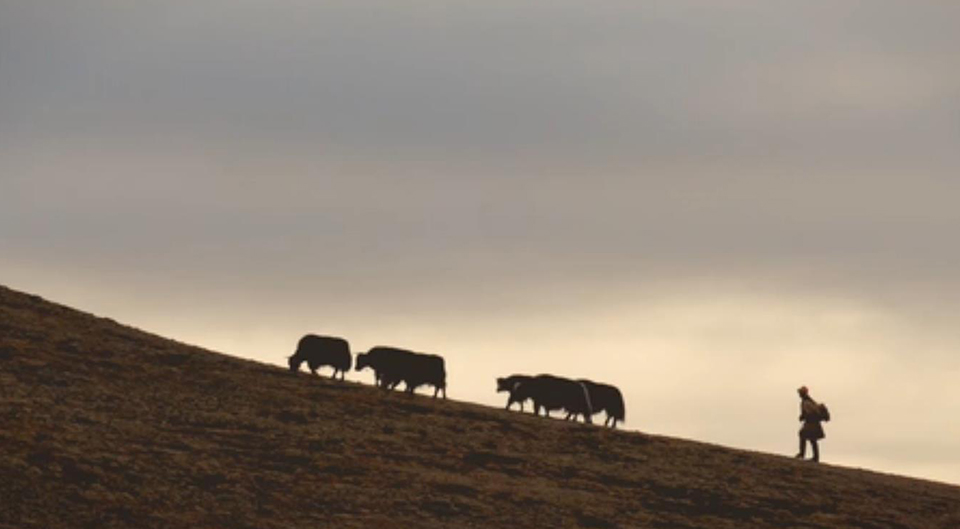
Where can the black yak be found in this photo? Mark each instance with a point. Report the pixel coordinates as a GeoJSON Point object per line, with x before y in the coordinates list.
{"type": "Point", "coordinates": [375, 358]}
{"type": "Point", "coordinates": [607, 398]}
{"type": "Point", "coordinates": [555, 393]}
{"type": "Point", "coordinates": [392, 366]}
{"type": "Point", "coordinates": [518, 386]}
{"type": "Point", "coordinates": [418, 369]}
{"type": "Point", "coordinates": [319, 351]}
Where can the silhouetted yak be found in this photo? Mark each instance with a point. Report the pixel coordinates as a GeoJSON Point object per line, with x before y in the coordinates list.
{"type": "Point", "coordinates": [376, 357]}
{"type": "Point", "coordinates": [607, 398]}
{"type": "Point", "coordinates": [392, 366]}
{"type": "Point", "coordinates": [319, 351]}
{"type": "Point", "coordinates": [556, 393]}
{"type": "Point", "coordinates": [518, 386]}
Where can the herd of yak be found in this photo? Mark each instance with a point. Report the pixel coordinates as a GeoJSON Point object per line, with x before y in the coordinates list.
{"type": "Point", "coordinates": [391, 366]}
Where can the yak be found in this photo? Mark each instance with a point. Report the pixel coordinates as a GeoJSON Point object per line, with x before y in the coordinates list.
{"type": "Point", "coordinates": [556, 393]}
{"type": "Point", "coordinates": [377, 357]}
{"type": "Point", "coordinates": [518, 386]}
{"type": "Point", "coordinates": [606, 398]}
{"type": "Point", "coordinates": [318, 351]}
{"type": "Point", "coordinates": [392, 366]}
{"type": "Point", "coordinates": [418, 369]}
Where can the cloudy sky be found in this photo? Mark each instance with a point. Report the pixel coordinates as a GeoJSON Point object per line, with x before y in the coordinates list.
{"type": "Point", "coordinates": [706, 203]}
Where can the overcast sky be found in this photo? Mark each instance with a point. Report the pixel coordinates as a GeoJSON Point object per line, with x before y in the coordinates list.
{"type": "Point", "coordinates": [705, 203]}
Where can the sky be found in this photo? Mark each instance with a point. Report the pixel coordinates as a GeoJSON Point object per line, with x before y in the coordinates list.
{"type": "Point", "coordinates": [704, 203]}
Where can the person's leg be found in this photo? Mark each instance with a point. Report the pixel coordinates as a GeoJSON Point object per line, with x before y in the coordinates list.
{"type": "Point", "coordinates": [816, 450]}
{"type": "Point", "coordinates": [803, 448]}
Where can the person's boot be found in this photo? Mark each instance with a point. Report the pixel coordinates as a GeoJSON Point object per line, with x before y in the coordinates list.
{"type": "Point", "coordinates": [803, 450]}
{"type": "Point", "coordinates": [816, 452]}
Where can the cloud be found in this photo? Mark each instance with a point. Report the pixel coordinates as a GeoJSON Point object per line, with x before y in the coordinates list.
{"type": "Point", "coordinates": [436, 80]}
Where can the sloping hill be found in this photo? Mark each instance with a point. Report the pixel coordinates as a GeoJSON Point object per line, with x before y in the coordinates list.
{"type": "Point", "coordinates": [102, 425]}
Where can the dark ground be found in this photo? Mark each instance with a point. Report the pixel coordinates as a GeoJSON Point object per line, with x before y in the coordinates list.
{"type": "Point", "coordinates": [103, 425]}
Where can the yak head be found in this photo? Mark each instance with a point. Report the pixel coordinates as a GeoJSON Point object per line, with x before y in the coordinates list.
{"type": "Point", "coordinates": [503, 385]}
{"type": "Point", "coordinates": [362, 361]}
{"type": "Point", "coordinates": [294, 363]}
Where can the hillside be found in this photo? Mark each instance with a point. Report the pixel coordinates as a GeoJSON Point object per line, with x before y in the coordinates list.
{"type": "Point", "coordinates": [102, 425]}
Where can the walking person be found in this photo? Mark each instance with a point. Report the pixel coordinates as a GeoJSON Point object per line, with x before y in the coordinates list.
{"type": "Point", "coordinates": [811, 414]}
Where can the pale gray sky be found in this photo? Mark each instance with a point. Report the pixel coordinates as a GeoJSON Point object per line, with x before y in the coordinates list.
{"type": "Point", "coordinates": [705, 203]}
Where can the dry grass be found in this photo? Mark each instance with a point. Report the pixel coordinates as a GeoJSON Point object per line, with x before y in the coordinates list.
{"type": "Point", "coordinates": [103, 426]}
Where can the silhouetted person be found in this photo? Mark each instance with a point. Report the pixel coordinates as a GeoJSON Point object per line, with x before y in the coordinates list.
{"type": "Point", "coordinates": [811, 430]}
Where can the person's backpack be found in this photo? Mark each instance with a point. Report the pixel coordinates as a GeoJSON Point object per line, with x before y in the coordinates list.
{"type": "Point", "coordinates": [823, 412]}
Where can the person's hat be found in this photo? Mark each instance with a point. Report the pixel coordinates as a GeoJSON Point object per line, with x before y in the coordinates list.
{"type": "Point", "coordinates": [803, 390]}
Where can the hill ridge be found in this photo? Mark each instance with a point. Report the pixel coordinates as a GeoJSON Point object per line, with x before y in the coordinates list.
{"type": "Point", "coordinates": [106, 425]}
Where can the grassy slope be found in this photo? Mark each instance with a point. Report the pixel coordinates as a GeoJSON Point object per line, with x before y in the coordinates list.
{"type": "Point", "coordinates": [103, 425]}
